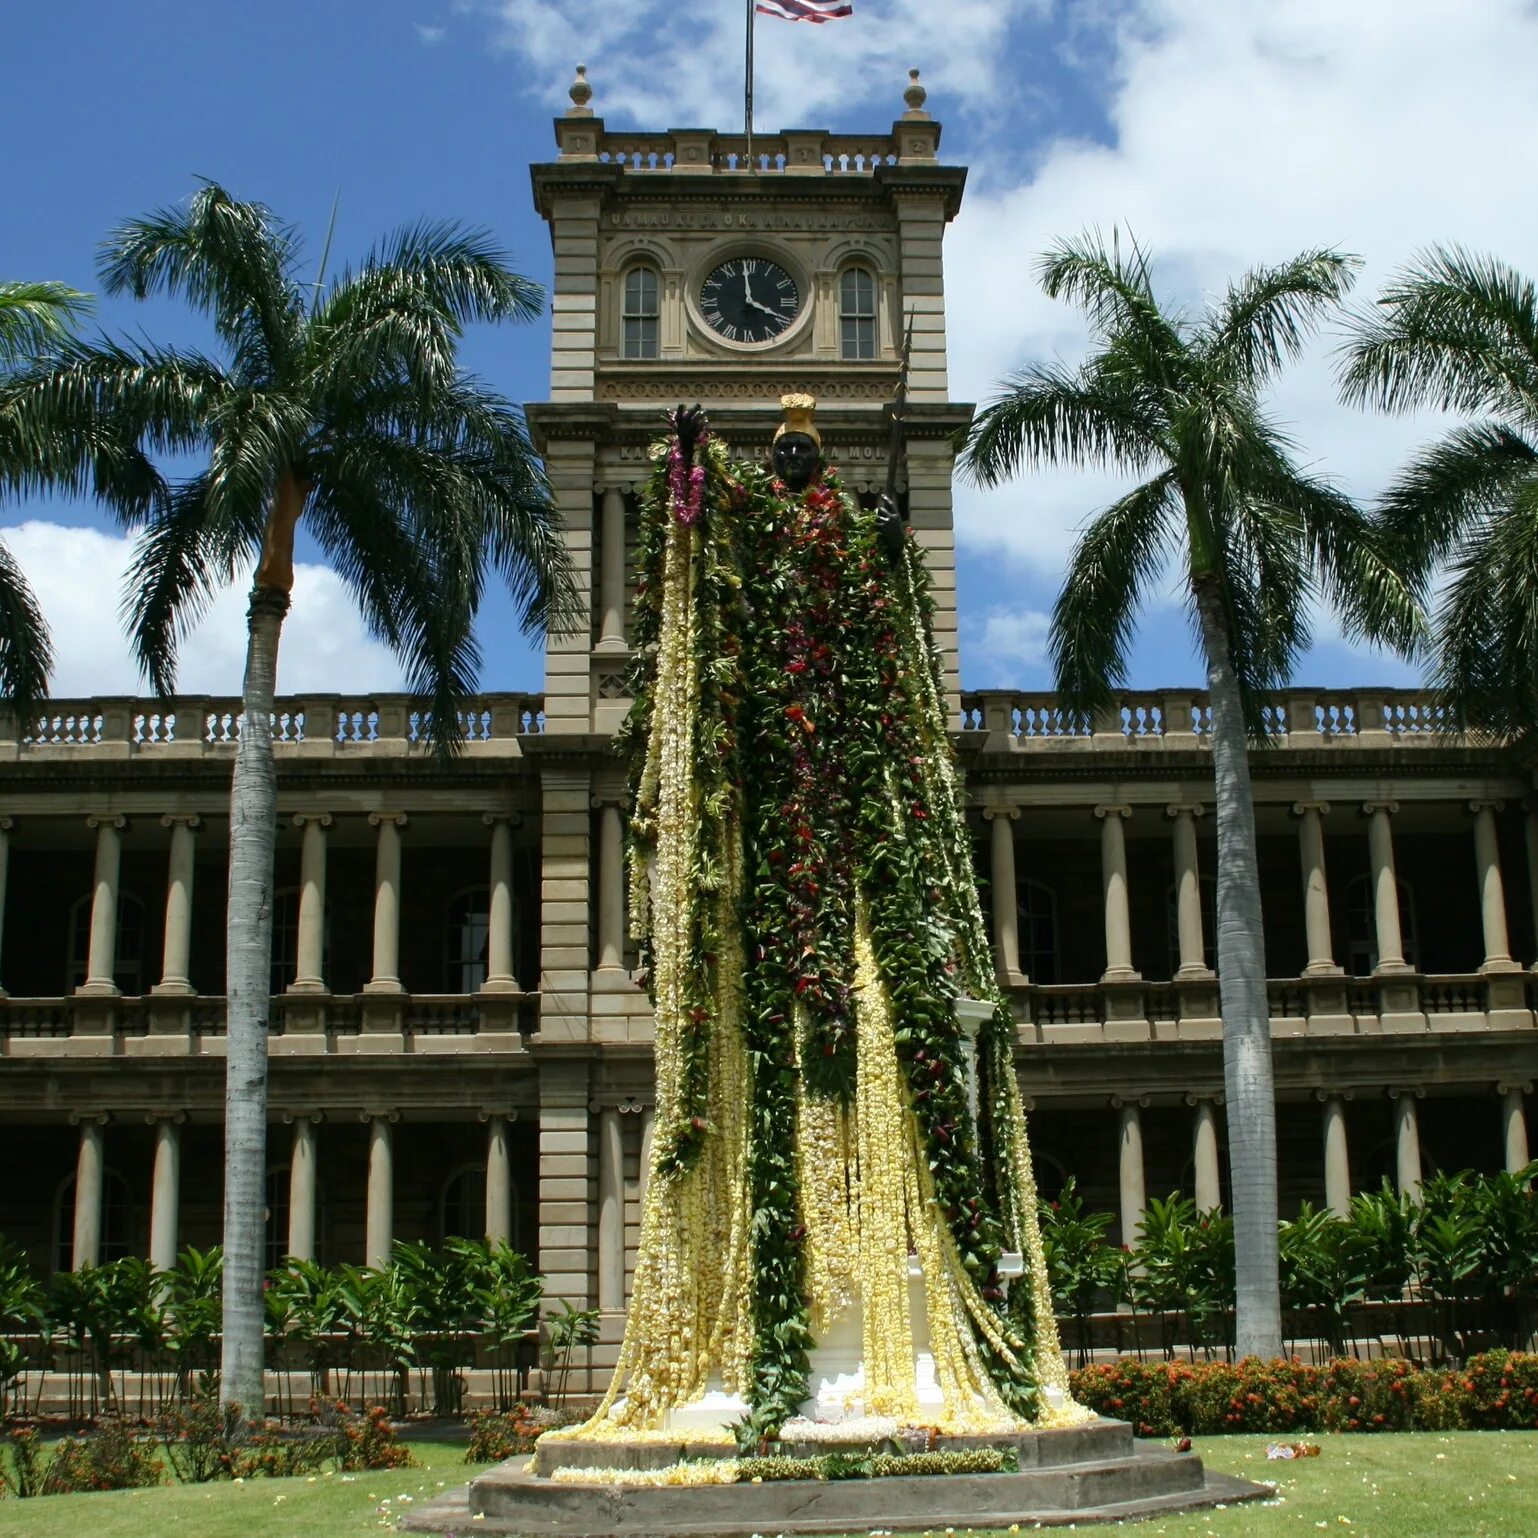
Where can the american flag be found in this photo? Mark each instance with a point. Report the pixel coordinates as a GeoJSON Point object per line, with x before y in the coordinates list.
{"type": "Point", "coordinates": [805, 10]}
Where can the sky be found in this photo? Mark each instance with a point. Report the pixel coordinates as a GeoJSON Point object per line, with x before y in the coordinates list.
{"type": "Point", "coordinates": [1221, 133]}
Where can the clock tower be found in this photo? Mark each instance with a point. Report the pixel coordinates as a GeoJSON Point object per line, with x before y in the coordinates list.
{"type": "Point", "coordinates": [687, 270]}
{"type": "Point", "coordinates": [691, 266]}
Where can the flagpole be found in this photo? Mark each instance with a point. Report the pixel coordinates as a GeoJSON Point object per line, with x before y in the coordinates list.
{"type": "Point", "coordinates": [747, 99]}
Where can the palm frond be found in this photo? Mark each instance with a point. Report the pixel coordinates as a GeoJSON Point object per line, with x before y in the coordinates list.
{"type": "Point", "coordinates": [231, 260]}
{"type": "Point", "coordinates": [464, 273]}
{"type": "Point", "coordinates": [1448, 488]}
{"type": "Point", "coordinates": [1113, 290]}
{"type": "Point", "coordinates": [33, 316]}
{"type": "Point", "coordinates": [1484, 665]}
{"type": "Point", "coordinates": [1123, 548]}
{"type": "Point", "coordinates": [1268, 315]}
{"type": "Point", "coordinates": [1054, 415]}
{"type": "Point", "coordinates": [160, 399]}
{"type": "Point", "coordinates": [1454, 330]}
{"type": "Point", "coordinates": [180, 562]}
{"type": "Point", "coordinates": [26, 651]}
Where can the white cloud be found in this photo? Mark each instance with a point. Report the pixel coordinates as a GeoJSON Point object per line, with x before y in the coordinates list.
{"type": "Point", "coordinates": [77, 574]}
{"type": "Point", "coordinates": [427, 35]}
{"type": "Point", "coordinates": [1005, 647]}
{"type": "Point", "coordinates": [1243, 133]}
{"type": "Point", "coordinates": [656, 64]}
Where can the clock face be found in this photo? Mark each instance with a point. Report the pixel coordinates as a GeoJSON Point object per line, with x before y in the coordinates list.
{"type": "Point", "coordinates": [749, 299]}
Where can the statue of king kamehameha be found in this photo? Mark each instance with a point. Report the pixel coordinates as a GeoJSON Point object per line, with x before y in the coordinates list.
{"type": "Point", "coordinates": [840, 1217]}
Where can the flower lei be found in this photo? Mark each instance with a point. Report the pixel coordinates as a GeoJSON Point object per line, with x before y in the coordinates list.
{"type": "Point", "coordinates": [801, 884]}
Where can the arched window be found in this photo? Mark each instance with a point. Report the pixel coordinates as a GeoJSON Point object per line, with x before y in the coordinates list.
{"type": "Point", "coordinates": [1038, 931]}
{"type": "Point", "coordinates": [1362, 926]}
{"type": "Point", "coordinates": [116, 1221]}
{"type": "Point", "coordinates": [466, 933]}
{"type": "Point", "coordinates": [279, 1184]}
{"type": "Point", "coordinates": [641, 313]}
{"type": "Point", "coordinates": [464, 1203]}
{"type": "Point", "coordinates": [857, 313]}
{"type": "Point", "coordinates": [128, 967]}
{"type": "Point", "coordinates": [1209, 900]}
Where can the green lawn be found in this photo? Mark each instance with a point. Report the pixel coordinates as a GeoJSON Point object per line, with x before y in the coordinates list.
{"type": "Point", "coordinates": [1429, 1485]}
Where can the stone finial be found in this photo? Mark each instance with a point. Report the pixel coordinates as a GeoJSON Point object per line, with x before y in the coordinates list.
{"type": "Point", "coordinates": [915, 95]}
{"type": "Point", "coordinates": [581, 94]}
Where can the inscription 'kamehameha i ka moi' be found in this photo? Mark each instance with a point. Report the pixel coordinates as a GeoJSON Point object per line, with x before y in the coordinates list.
{"type": "Point", "coordinates": [742, 219]}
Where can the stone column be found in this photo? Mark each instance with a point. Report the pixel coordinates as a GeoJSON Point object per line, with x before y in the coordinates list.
{"type": "Point", "coordinates": [165, 1188]}
{"type": "Point", "coordinates": [499, 1178]}
{"type": "Point", "coordinates": [1337, 1154]}
{"type": "Point", "coordinates": [6, 825]}
{"type": "Point", "coordinates": [1133, 1185]}
{"type": "Point", "coordinates": [1204, 1139]}
{"type": "Point", "coordinates": [101, 955]}
{"type": "Point", "coordinates": [301, 1186]}
{"type": "Point", "coordinates": [500, 977]}
{"type": "Point", "coordinates": [648, 1130]}
{"type": "Point", "coordinates": [1316, 892]}
{"type": "Point", "coordinates": [178, 938]}
{"type": "Point", "coordinates": [611, 1211]}
{"type": "Point", "coordinates": [86, 1247]}
{"type": "Point", "coordinates": [387, 899]}
{"type": "Point", "coordinates": [611, 887]}
{"type": "Point", "coordinates": [1188, 895]}
{"type": "Point", "coordinates": [1530, 830]}
{"type": "Point", "coordinates": [1492, 891]}
{"type": "Point", "coordinates": [1514, 1123]}
{"type": "Point", "coordinates": [1407, 1139]}
{"type": "Point", "coordinates": [1006, 902]}
{"type": "Point", "coordinates": [1113, 873]}
{"type": "Point", "coordinates": [310, 943]}
{"type": "Point", "coordinates": [380, 1232]}
{"type": "Point", "coordinates": [1385, 885]}
{"type": "Point", "coordinates": [611, 571]}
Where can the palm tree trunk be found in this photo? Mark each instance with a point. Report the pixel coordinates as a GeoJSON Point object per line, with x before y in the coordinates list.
{"type": "Point", "coordinates": [248, 961]}
{"type": "Point", "coordinates": [1241, 955]}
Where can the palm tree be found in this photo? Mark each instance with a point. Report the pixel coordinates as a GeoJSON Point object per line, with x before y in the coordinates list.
{"type": "Point", "coordinates": [33, 316]}
{"type": "Point", "coordinates": [1460, 332]}
{"type": "Point", "coordinates": [340, 407]}
{"type": "Point", "coordinates": [1176, 401]}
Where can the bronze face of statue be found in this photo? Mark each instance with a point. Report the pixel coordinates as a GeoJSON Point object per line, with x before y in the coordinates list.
{"type": "Point", "coordinates": [795, 459]}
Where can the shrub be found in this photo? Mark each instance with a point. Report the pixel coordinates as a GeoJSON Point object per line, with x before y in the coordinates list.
{"type": "Point", "coordinates": [1370, 1396]}
{"type": "Point", "coordinates": [1495, 1391]}
{"type": "Point", "coordinates": [366, 1441]}
{"type": "Point", "coordinates": [1499, 1390]}
{"type": "Point", "coordinates": [1251, 1395]}
{"type": "Point", "coordinates": [495, 1435]}
{"type": "Point", "coordinates": [1140, 1392]}
{"type": "Point", "coordinates": [110, 1458]}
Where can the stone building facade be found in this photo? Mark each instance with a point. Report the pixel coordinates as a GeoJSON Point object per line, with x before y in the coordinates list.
{"type": "Point", "coordinates": [459, 1044]}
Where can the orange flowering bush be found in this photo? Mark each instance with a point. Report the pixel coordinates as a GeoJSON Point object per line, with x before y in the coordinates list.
{"type": "Point", "coordinates": [1497, 1390]}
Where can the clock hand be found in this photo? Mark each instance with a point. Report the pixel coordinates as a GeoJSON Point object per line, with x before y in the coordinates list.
{"type": "Point", "coordinates": [767, 309]}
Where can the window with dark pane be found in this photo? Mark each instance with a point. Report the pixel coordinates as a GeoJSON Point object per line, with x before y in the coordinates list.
{"type": "Point", "coordinates": [466, 936]}
{"type": "Point", "coordinates": [857, 313]}
{"type": "Point", "coordinates": [1038, 931]}
{"type": "Point", "coordinates": [641, 313]}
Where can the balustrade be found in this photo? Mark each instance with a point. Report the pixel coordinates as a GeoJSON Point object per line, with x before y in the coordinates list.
{"type": "Point", "coordinates": [796, 153]}
{"type": "Point", "coordinates": [202, 1016]}
{"type": "Point", "coordinates": [1297, 718]}
{"type": "Point", "coordinates": [196, 724]}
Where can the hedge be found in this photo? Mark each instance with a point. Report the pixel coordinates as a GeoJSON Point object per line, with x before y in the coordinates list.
{"type": "Point", "coordinates": [1496, 1391]}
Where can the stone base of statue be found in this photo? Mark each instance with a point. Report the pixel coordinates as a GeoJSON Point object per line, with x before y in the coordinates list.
{"type": "Point", "coordinates": [1096, 1472]}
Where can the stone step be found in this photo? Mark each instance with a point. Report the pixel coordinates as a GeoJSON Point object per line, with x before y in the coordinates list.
{"type": "Point", "coordinates": [1098, 1440]}
{"type": "Point", "coordinates": [1151, 1479]}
